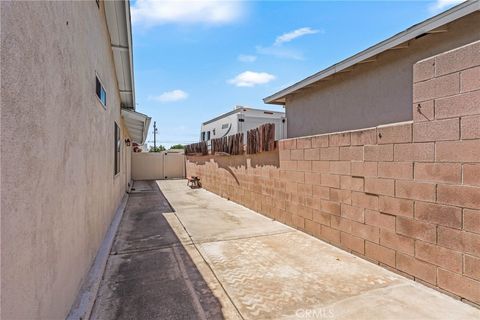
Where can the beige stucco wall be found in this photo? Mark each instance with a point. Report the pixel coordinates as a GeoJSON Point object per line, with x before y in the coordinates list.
{"type": "Point", "coordinates": [58, 189]}
{"type": "Point", "coordinates": [373, 93]}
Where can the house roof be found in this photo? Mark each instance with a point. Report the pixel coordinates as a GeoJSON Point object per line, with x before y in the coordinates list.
{"type": "Point", "coordinates": [431, 25]}
{"type": "Point", "coordinates": [120, 30]}
{"type": "Point", "coordinates": [240, 109]}
{"type": "Point", "coordinates": [137, 124]}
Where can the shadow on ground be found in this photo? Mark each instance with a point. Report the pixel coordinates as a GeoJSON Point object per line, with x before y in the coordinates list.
{"type": "Point", "coordinates": [149, 274]}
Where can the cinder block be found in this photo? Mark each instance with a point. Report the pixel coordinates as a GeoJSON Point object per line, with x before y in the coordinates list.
{"type": "Point", "coordinates": [442, 86]}
{"type": "Point", "coordinates": [330, 153]}
{"type": "Point", "coordinates": [366, 231]}
{"type": "Point", "coordinates": [471, 220]}
{"type": "Point", "coordinates": [380, 186]}
{"type": "Point", "coordinates": [464, 104]}
{"type": "Point", "coordinates": [419, 269]}
{"type": "Point", "coordinates": [364, 200]}
{"type": "Point", "coordinates": [398, 133]}
{"type": "Point", "coordinates": [294, 176]}
{"type": "Point", "coordinates": [312, 228]}
{"type": "Point", "coordinates": [353, 243]}
{"type": "Point", "coordinates": [439, 130]}
{"type": "Point", "coordinates": [470, 127]}
{"type": "Point", "coordinates": [415, 190]}
{"type": "Point", "coordinates": [330, 180]}
{"type": "Point", "coordinates": [397, 242]}
{"type": "Point", "coordinates": [377, 219]}
{"type": "Point", "coordinates": [395, 206]}
{"type": "Point", "coordinates": [416, 229]}
{"type": "Point", "coordinates": [438, 172]}
{"type": "Point", "coordinates": [442, 257]}
{"type": "Point", "coordinates": [424, 70]}
{"type": "Point", "coordinates": [463, 196]}
{"type": "Point", "coordinates": [330, 207]}
{"type": "Point", "coordinates": [321, 192]}
{"type": "Point", "coordinates": [296, 154]}
{"type": "Point", "coordinates": [339, 139]}
{"type": "Point", "coordinates": [363, 137]}
{"type": "Point", "coordinates": [321, 166]}
{"type": "Point", "coordinates": [458, 59]}
{"type": "Point", "coordinates": [458, 240]}
{"type": "Point", "coordinates": [415, 152]}
{"type": "Point", "coordinates": [304, 143]}
{"type": "Point", "coordinates": [352, 213]}
{"type": "Point", "coordinates": [304, 165]}
{"type": "Point", "coordinates": [424, 111]}
{"type": "Point", "coordinates": [364, 169]}
{"type": "Point", "coordinates": [395, 170]}
{"type": "Point", "coordinates": [313, 203]}
{"type": "Point", "coordinates": [288, 144]}
{"type": "Point", "coordinates": [378, 152]}
{"type": "Point", "coordinates": [321, 217]}
{"type": "Point", "coordinates": [313, 178]}
{"type": "Point", "coordinates": [470, 79]}
{"type": "Point", "coordinates": [339, 195]}
{"type": "Point", "coordinates": [341, 224]}
{"type": "Point", "coordinates": [460, 285]}
{"type": "Point", "coordinates": [298, 222]}
{"type": "Point", "coordinates": [458, 151]}
{"type": "Point", "coordinates": [439, 214]}
{"type": "Point", "coordinates": [330, 234]}
{"type": "Point", "coordinates": [379, 253]}
{"type": "Point", "coordinates": [311, 154]}
{"type": "Point", "coordinates": [351, 183]}
{"type": "Point", "coordinates": [304, 189]}
{"type": "Point", "coordinates": [288, 164]}
{"type": "Point", "coordinates": [320, 141]}
{"type": "Point", "coordinates": [284, 155]}
{"type": "Point", "coordinates": [472, 267]}
{"type": "Point", "coordinates": [340, 167]}
{"type": "Point", "coordinates": [351, 153]}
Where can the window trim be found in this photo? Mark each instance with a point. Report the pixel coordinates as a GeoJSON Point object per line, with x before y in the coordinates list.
{"type": "Point", "coordinates": [116, 149]}
{"type": "Point", "coordinates": [97, 78]}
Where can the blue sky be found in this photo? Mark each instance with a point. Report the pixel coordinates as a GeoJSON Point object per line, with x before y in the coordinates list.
{"type": "Point", "coordinates": [194, 60]}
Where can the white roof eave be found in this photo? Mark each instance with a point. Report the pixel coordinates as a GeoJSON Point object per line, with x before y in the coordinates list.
{"type": "Point", "coordinates": [137, 124]}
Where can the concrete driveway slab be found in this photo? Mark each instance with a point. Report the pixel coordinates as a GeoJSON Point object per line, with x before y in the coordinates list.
{"type": "Point", "coordinates": [282, 273]}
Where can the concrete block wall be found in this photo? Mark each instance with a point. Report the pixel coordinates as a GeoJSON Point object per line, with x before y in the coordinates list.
{"type": "Point", "coordinates": [405, 196]}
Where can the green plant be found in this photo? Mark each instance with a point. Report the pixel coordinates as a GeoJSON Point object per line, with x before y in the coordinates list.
{"type": "Point", "coordinates": [177, 146]}
{"type": "Point", "coordinates": [157, 149]}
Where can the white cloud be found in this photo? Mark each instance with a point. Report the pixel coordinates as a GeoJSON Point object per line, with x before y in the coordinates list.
{"type": "Point", "coordinates": [440, 5]}
{"type": "Point", "coordinates": [251, 78]}
{"type": "Point", "coordinates": [280, 52]}
{"type": "Point", "coordinates": [289, 36]}
{"type": "Point", "coordinates": [246, 58]}
{"type": "Point", "coordinates": [155, 12]}
{"type": "Point", "coordinates": [170, 96]}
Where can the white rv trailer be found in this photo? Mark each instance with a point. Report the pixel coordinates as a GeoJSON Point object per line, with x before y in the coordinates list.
{"type": "Point", "coordinates": [242, 119]}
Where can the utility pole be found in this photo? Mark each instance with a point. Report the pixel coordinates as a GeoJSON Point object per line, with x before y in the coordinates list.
{"type": "Point", "coordinates": [155, 134]}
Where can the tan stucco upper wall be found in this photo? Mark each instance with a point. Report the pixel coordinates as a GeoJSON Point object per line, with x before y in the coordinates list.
{"type": "Point", "coordinates": [58, 188]}
{"type": "Point", "coordinates": [373, 93]}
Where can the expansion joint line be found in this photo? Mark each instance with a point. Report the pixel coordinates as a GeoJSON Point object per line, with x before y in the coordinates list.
{"type": "Point", "coordinates": [209, 266]}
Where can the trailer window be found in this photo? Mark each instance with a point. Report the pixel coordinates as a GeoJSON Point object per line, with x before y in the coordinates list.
{"type": "Point", "coordinates": [203, 136]}
{"type": "Point", "coordinates": [208, 135]}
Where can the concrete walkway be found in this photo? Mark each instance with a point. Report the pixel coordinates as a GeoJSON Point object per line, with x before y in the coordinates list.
{"type": "Point", "coordinates": [212, 258]}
